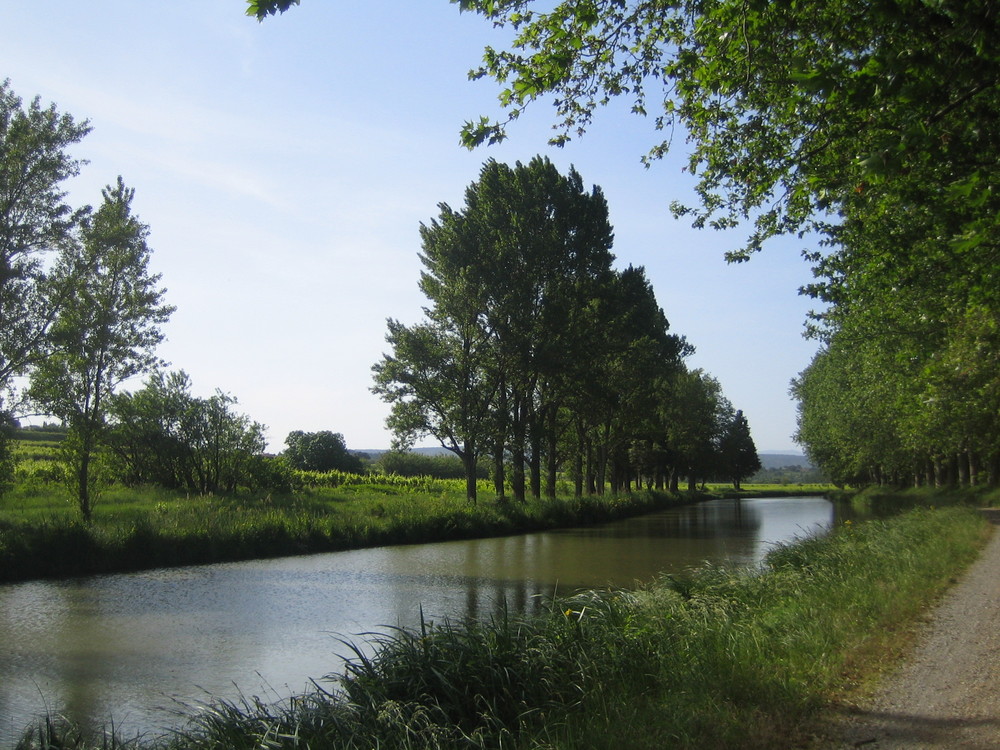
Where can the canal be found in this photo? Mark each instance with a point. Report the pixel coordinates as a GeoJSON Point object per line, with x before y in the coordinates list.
{"type": "Point", "coordinates": [138, 648]}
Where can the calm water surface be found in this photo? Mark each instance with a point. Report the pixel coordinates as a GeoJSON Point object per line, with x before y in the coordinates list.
{"type": "Point", "coordinates": [135, 648]}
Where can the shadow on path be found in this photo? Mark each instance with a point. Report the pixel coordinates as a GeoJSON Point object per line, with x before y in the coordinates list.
{"type": "Point", "coordinates": [911, 730]}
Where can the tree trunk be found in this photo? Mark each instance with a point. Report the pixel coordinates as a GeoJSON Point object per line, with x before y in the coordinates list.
{"type": "Point", "coordinates": [517, 475]}
{"type": "Point", "coordinates": [535, 464]}
{"type": "Point", "coordinates": [83, 484]}
{"type": "Point", "coordinates": [469, 461]}
{"type": "Point", "coordinates": [591, 468]}
{"type": "Point", "coordinates": [578, 461]}
{"type": "Point", "coordinates": [499, 469]}
{"type": "Point", "coordinates": [993, 470]}
{"type": "Point", "coordinates": [517, 453]}
{"type": "Point", "coordinates": [963, 469]}
{"type": "Point", "coordinates": [937, 467]}
{"type": "Point", "coordinates": [551, 461]}
{"type": "Point", "coordinates": [603, 459]}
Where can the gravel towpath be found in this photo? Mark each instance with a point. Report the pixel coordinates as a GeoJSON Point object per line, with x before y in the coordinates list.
{"type": "Point", "coordinates": [947, 692]}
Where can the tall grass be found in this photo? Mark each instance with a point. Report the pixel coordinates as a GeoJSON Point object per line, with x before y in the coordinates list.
{"type": "Point", "coordinates": [720, 658]}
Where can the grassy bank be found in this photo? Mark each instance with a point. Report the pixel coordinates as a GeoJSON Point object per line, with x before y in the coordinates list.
{"type": "Point", "coordinates": [722, 658]}
{"type": "Point", "coordinates": [42, 536]}
{"type": "Point", "coordinates": [883, 501]}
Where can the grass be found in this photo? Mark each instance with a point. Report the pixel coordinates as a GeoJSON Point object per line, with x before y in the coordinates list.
{"type": "Point", "coordinates": [41, 534]}
{"type": "Point", "coordinates": [722, 658]}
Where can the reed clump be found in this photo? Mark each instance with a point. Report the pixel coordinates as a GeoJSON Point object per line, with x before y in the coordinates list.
{"type": "Point", "coordinates": [719, 657]}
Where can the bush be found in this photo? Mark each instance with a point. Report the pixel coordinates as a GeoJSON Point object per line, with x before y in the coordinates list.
{"type": "Point", "coordinates": [320, 451]}
{"type": "Point", "coordinates": [272, 474]}
{"type": "Point", "coordinates": [410, 464]}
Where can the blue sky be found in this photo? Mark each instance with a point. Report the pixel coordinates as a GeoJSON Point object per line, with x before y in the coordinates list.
{"type": "Point", "coordinates": [284, 169]}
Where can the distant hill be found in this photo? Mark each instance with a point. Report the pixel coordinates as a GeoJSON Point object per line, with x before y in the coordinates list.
{"type": "Point", "coordinates": [768, 459]}
{"type": "Point", "coordinates": [376, 452]}
{"type": "Point", "coordinates": [780, 460]}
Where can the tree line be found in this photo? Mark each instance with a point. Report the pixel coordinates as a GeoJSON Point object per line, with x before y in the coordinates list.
{"type": "Point", "coordinates": [538, 354]}
{"type": "Point", "coordinates": [868, 130]}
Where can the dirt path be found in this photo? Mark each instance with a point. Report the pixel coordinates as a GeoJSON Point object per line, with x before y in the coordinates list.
{"type": "Point", "coordinates": [947, 694]}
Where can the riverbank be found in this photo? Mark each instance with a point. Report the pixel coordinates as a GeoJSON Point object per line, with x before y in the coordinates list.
{"type": "Point", "coordinates": [41, 535]}
{"type": "Point", "coordinates": [720, 658]}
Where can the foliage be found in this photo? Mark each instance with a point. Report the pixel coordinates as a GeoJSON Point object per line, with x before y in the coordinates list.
{"type": "Point", "coordinates": [146, 527]}
{"type": "Point", "coordinates": [737, 453]}
{"type": "Point", "coordinates": [7, 460]}
{"type": "Point", "coordinates": [320, 451]}
{"type": "Point", "coordinates": [792, 112]}
{"type": "Point", "coordinates": [867, 126]}
{"type": "Point", "coordinates": [104, 334]}
{"type": "Point", "coordinates": [47, 432]}
{"type": "Point", "coordinates": [261, 9]}
{"type": "Point", "coordinates": [34, 221]}
{"type": "Point", "coordinates": [535, 352]}
{"type": "Point", "coordinates": [162, 434]}
{"type": "Point", "coordinates": [789, 475]}
{"type": "Point", "coordinates": [410, 464]}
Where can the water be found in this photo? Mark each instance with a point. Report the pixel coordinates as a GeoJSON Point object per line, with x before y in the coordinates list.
{"type": "Point", "coordinates": [137, 648]}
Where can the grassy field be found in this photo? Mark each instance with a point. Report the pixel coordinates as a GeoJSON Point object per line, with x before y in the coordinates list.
{"type": "Point", "coordinates": [722, 658]}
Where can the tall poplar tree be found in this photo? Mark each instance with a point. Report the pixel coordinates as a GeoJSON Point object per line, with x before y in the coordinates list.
{"type": "Point", "coordinates": [507, 278]}
{"type": "Point", "coordinates": [104, 334]}
{"type": "Point", "coordinates": [738, 457]}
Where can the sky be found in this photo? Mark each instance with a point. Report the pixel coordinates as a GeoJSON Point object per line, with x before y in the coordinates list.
{"type": "Point", "coordinates": [284, 169]}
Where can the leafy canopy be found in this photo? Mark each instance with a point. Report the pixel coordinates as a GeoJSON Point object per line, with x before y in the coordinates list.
{"type": "Point", "coordinates": [35, 220]}
{"type": "Point", "coordinates": [793, 111]}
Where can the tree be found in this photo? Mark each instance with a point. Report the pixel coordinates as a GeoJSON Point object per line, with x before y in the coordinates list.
{"type": "Point", "coordinates": [104, 334]}
{"type": "Point", "coordinates": [261, 9]}
{"type": "Point", "coordinates": [34, 220]}
{"type": "Point", "coordinates": [690, 410]}
{"type": "Point", "coordinates": [436, 385]}
{"type": "Point", "coordinates": [510, 277]}
{"type": "Point", "coordinates": [164, 435]}
{"type": "Point", "coordinates": [868, 126]}
{"type": "Point", "coordinates": [789, 108]}
{"type": "Point", "coordinates": [738, 457]}
{"type": "Point", "coordinates": [320, 451]}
